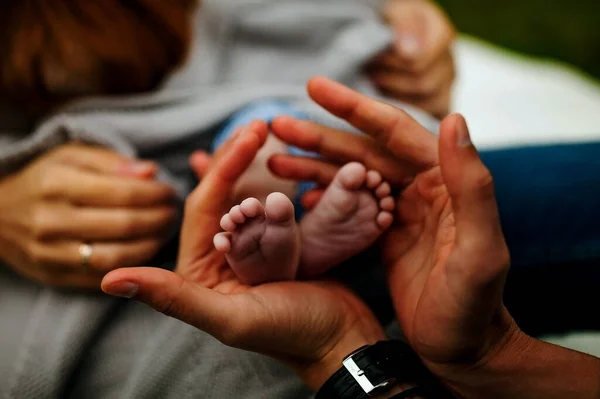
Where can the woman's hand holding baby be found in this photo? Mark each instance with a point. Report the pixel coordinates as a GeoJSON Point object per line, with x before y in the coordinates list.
{"type": "Point", "coordinates": [79, 196]}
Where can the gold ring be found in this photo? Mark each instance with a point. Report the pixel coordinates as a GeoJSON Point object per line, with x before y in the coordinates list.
{"type": "Point", "coordinates": [85, 253]}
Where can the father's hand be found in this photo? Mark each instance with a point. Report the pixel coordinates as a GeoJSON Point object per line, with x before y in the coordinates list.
{"type": "Point", "coordinates": [419, 69]}
{"type": "Point", "coordinates": [311, 326]}
{"type": "Point", "coordinates": [446, 256]}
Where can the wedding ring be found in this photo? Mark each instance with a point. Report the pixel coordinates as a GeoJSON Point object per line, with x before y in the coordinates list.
{"type": "Point", "coordinates": [85, 253]}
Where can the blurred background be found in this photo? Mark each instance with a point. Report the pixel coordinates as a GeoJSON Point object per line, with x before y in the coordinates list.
{"type": "Point", "coordinates": [562, 29]}
{"type": "Point", "coordinates": [532, 67]}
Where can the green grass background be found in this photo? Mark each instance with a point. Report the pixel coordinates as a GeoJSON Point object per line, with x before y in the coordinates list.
{"type": "Point", "coordinates": [565, 30]}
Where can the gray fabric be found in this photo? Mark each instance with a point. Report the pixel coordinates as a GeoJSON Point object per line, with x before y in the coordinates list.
{"type": "Point", "coordinates": [56, 344]}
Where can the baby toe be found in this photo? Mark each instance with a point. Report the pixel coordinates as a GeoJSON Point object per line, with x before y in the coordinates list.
{"type": "Point", "coordinates": [374, 179]}
{"type": "Point", "coordinates": [237, 215]}
{"type": "Point", "coordinates": [222, 242]}
{"type": "Point", "coordinates": [227, 224]}
{"type": "Point", "coordinates": [252, 208]}
{"type": "Point", "coordinates": [279, 208]}
{"type": "Point", "coordinates": [387, 204]}
{"type": "Point", "coordinates": [384, 220]}
{"type": "Point", "coordinates": [352, 176]}
{"type": "Point", "coordinates": [383, 190]}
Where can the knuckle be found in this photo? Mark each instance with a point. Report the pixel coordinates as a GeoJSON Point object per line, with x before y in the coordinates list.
{"type": "Point", "coordinates": [168, 304]}
{"type": "Point", "coordinates": [484, 182]}
{"type": "Point", "coordinates": [41, 222]}
{"type": "Point", "coordinates": [48, 186]}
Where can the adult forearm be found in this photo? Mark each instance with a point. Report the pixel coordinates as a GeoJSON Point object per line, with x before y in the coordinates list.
{"type": "Point", "coordinates": [528, 368]}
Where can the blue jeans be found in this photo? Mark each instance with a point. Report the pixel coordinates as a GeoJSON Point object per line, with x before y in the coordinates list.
{"type": "Point", "coordinates": [549, 201]}
{"type": "Point", "coordinates": [548, 196]}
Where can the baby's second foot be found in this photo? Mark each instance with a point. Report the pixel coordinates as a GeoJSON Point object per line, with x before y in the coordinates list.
{"type": "Point", "coordinates": [352, 214]}
{"type": "Point", "coordinates": [262, 243]}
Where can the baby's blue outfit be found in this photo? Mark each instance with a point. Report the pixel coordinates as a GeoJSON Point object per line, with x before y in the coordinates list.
{"type": "Point", "coordinates": [267, 111]}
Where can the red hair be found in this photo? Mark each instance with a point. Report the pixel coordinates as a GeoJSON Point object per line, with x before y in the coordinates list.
{"type": "Point", "coordinates": [56, 50]}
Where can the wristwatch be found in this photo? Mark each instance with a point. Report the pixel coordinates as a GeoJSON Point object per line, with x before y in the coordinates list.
{"type": "Point", "coordinates": [376, 369]}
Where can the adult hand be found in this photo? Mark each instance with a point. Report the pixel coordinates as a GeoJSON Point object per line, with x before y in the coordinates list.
{"type": "Point", "coordinates": [446, 256]}
{"type": "Point", "coordinates": [311, 326]}
{"type": "Point", "coordinates": [419, 68]}
{"type": "Point", "coordinates": [75, 195]}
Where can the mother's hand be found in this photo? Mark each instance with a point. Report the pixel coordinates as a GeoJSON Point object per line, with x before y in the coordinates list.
{"type": "Point", "coordinates": [446, 256]}
{"type": "Point", "coordinates": [75, 195]}
{"type": "Point", "coordinates": [311, 326]}
{"type": "Point", "coordinates": [419, 69]}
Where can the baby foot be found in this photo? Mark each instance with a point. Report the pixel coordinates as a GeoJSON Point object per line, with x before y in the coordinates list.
{"type": "Point", "coordinates": [262, 243]}
{"type": "Point", "coordinates": [352, 214]}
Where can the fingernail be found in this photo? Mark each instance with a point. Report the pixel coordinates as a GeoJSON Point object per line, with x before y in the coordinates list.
{"type": "Point", "coordinates": [140, 167]}
{"type": "Point", "coordinates": [463, 137]}
{"type": "Point", "coordinates": [143, 166]}
{"type": "Point", "coordinates": [123, 290]}
{"type": "Point", "coordinates": [408, 46]}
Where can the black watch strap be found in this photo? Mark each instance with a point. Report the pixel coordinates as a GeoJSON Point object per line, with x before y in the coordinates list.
{"type": "Point", "coordinates": [375, 369]}
{"type": "Point", "coordinates": [409, 393]}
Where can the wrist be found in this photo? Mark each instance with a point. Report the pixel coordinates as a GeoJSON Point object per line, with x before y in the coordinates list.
{"type": "Point", "coordinates": [387, 369]}
{"type": "Point", "coordinates": [317, 373]}
{"type": "Point", "coordinates": [502, 338]}
{"type": "Point", "coordinates": [541, 369]}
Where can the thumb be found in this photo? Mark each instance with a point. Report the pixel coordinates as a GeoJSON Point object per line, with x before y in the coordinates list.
{"type": "Point", "coordinates": [408, 21]}
{"type": "Point", "coordinates": [205, 206]}
{"type": "Point", "coordinates": [471, 188]}
{"type": "Point", "coordinates": [171, 294]}
{"type": "Point", "coordinates": [200, 163]}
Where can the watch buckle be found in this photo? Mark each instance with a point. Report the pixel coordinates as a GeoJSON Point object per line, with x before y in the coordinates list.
{"type": "Point", "coordinates": [363, 381]}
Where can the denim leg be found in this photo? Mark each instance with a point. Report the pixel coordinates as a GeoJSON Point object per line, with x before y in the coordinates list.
{"type": "Point", "coordinates": [549, 201]}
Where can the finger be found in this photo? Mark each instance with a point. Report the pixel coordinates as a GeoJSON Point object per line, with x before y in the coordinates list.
{"type": "Point", "coordinates": [425, 83]}
{"type": "Point", "coordinates": [208, 202]}
{"type": "Point", "coordinates": [106, 256]}
{"type": "Point", "coordinates": [102, 224]}
{"type": "Point", "coordinates": [84, 188]}
{"type": "Point", "coordinates": [200, 162]}
{"type": "Point", "coordinates": [339, 147]}
{"type": "Point", "coordinates": [101, 160]}
{"type": "Point", "coordinates": [223, 149]}
{"type": "Point", "coordinates": [392, 127]}
{"type": "Point", "coordinates": [471, 188]}
{"type": "Point", "coordinates": [139, 169]}
{"type": "Point", "coordinates": [303, 169]}
{"type": "Point", "coordinates": [437, 104]}
{"type": "Point", "coordinates": [217, 314]}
